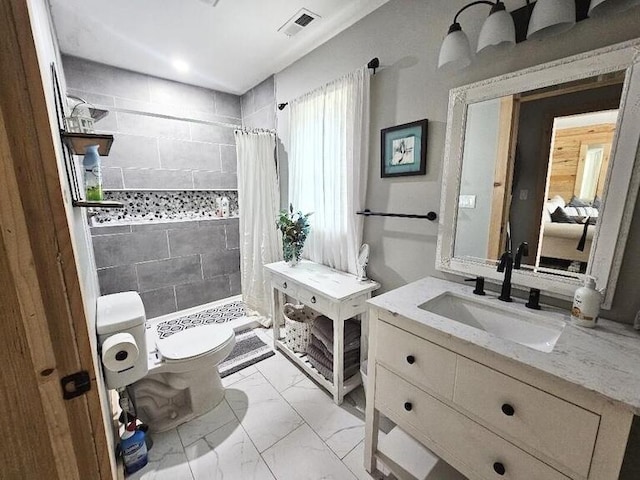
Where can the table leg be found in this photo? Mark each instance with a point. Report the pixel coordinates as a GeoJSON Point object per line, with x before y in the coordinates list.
{"type": "Point", "coordinates": [275, 318]}
{"type": "Point", "coordinates": [364, 334]}
{"type": "Point", "coordinates": [338, 361]}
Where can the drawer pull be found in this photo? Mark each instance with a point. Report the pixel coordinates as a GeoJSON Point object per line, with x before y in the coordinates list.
{"type": "Point", "coordinates": [313, 299]}
{"type": "Point", "coordinates": [408, 406]}
{"type": "Point", "coordinates": [499, 468]}
{"type": "Point", "coordinates": [508, 410]}
{"type": "Point", "coordinates": [411, 359]}
{"type": "Point", "coordinates": [284, 285]}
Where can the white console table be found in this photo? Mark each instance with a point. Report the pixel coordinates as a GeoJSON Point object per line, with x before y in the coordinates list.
{"type": "Point", "coordinates": [335, 294]}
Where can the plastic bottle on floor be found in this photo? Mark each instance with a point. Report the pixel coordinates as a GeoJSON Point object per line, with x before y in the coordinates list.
{"type": "Point", "coordinates": [134, 448]}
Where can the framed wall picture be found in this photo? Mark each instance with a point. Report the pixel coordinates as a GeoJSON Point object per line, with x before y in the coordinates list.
{"type": "Point", "coordinates": [403, 149]}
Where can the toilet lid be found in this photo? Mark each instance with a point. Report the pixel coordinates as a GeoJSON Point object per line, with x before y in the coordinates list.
{"type": "Point", "coordinates": [194, 341]}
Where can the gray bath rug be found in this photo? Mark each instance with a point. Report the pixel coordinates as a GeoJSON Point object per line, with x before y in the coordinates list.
{"type": "Point", "coordinates": [249, 349]}
{"type": "Point", "coordinates": [221, 314]}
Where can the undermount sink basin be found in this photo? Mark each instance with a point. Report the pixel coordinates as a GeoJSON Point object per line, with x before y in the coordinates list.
{"type": "Point", "coordinates": [529, 329]}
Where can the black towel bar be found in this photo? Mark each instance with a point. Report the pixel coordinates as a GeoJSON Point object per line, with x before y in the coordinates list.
{"type": "Point", "coordinates": [368, 213]}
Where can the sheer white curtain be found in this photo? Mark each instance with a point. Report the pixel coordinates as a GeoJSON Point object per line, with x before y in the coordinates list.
{"type": "Point", "coordinates": [259, 200]}
{"type": "Point", "coordinates": [328, 165]}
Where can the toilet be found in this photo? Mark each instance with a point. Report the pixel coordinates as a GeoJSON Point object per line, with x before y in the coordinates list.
{"type": "Point", "coordinates": [174, 379]}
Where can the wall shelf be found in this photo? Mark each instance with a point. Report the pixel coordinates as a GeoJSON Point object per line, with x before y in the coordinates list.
{"type": "Point", "coordinates": [74, 143]}
{"type": "Point", "coordinates": [78, 142]}
{"type": "Point", "coordinates": [96, 204]}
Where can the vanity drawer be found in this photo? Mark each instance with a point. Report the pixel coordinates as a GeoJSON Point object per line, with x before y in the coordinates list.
{"type": "Point", "coordinates": [438, 425]}
{"type": "Point", "coordinates": [547, 424]}
{"type": "Point", "coordinates": [317, 302]}
{"type": "Point", "coordinates": [421, 362]}
{"type": "Point", "coordinates": [285, 286]}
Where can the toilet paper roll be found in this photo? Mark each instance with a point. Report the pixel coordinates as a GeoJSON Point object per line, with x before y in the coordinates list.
{"type": "Point", "coordinates": [119, 352]}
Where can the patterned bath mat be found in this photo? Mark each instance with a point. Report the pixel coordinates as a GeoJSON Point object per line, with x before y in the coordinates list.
{"type": "Point", "coordinates": [221, 314]}
{"type": "Point", "coordinates": [249, 349]}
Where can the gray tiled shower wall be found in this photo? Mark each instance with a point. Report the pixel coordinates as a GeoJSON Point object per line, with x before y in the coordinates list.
{"type": "Point", "coordinates": [259, 105]}
{"type": "Point", "coordinates": [174, 265]}
{"type": "Point", "coordinates": [159, 153]}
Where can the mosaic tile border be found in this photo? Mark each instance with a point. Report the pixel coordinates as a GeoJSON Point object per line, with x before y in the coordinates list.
{"type": "Point", "coordinates": [222, 314]}
{"type": "Point", "coordinates": [150, 206]}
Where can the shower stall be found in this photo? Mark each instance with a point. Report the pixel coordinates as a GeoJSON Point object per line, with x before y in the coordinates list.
{"type": "Point", "coordinates": [174, 167]}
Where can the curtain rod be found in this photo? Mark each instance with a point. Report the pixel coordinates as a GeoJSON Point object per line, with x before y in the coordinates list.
{"type": "Point", "coordinates": [256, 130]}
{"type": "Point", "coordinates": [175, 117]}
{"type": "Point", "coordinates": [373, 64]}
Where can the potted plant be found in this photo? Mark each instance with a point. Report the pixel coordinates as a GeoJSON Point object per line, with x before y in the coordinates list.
{"type": "Point", "coordinates": [295, 228]}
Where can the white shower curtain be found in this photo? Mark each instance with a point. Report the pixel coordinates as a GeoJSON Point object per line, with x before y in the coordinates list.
{"type": "Point", "coordinates": [258, 199]}
{"type": "Point", "coordinates": [328, 167]}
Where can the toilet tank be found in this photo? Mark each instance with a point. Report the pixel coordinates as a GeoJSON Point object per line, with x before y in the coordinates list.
{"type": "Point", "coordinates": [120, 324]}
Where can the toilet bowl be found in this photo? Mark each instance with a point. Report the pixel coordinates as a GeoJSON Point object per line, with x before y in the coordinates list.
{"type": "Point", "coordinates": [183, 381]}
{"type": "Point", "coordinates": [172, 379]}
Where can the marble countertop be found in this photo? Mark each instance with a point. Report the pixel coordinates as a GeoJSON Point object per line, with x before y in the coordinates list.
{"type": "Point", "coordinates": [605, 359]}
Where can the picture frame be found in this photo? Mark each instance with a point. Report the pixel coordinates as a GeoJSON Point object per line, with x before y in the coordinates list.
{"type": "Point", "coordinates": [403, 149]}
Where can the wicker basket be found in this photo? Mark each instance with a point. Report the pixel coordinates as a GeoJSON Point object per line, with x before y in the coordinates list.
{"type": "Point", "coordinates": [298, 320]}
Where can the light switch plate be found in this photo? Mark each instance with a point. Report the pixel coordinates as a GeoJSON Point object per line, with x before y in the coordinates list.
{"type": "Point", "coordinates": [467, 201]}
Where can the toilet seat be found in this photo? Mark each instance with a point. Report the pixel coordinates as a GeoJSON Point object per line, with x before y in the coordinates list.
{"type": "Point", "coordinates": [194, 342]}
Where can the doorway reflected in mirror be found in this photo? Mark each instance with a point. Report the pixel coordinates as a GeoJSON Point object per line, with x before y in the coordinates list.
{"type": "Point", "coordinates": [533, 170]}
{"type": "Point", "coordinates": [579, 159]}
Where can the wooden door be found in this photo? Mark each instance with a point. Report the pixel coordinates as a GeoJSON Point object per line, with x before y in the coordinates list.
{"type": "Point", "coordinates": [503, 175]}
{"type": "Point", "coordinates": [43, 329]}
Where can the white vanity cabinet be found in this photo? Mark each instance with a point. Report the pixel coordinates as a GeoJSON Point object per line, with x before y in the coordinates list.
{"type": "Point", "coordinates": [488, 416]}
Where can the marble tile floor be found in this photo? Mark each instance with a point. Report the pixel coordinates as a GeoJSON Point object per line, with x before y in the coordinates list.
{"type": "Point", "coordinates": [274, 424]}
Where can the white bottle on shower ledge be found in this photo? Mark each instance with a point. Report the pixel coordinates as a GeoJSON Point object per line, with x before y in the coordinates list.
{"type": "Point", "coordinates": [586, 304]}
{"type": "Point", "coordinates": [224, 207]}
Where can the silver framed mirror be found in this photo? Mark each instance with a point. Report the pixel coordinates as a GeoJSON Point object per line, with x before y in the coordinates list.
{"type": "Point", "coordinates": [544, 156]}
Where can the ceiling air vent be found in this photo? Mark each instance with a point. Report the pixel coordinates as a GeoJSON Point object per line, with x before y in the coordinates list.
{"type": "Point", "coordinates": [296, 23]}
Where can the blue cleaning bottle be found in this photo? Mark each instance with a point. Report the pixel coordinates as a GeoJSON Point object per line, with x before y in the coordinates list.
{"type": "Point", "coordinates": [134, 448]}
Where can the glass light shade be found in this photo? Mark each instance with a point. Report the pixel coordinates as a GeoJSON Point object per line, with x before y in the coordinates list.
{"type": "Point", "coordinates": [455, 52]}
{"type": "Point", "coordinates": [498, 30]}
{"type": "Point", "coordinates": [550, 17]}
{"type": "Point", "coordinates": [605, 7]}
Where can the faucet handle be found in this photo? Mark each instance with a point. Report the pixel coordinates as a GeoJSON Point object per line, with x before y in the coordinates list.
{"type": "Point", "coordinates": [534, 299]}
{"type": "Point", "coordinates": [479, 290]}
{"type": "Point", "coordinates": [506, 261]}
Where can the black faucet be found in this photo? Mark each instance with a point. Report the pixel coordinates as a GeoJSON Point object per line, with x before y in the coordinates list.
{"type": "Point", "coordinates": [506, 266]}
{"type": "Point", "coordinates": [522, 251]}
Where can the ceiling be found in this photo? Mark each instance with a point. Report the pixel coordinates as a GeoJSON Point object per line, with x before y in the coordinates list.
{"type": "Point", "coordinates": [586, 119]}
{"type": "Point", "coordinates": [229, 45]}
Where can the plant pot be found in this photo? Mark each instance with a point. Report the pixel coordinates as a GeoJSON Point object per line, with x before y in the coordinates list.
{"type": "Point", "coordinates": [291, 253]}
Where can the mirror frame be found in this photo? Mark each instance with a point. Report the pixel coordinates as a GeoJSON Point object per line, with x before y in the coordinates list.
{"type": "Point", "coordinates": [623, 177]}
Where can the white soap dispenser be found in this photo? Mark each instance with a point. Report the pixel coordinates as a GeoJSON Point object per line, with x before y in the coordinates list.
{"type": "Point", "coordinates": [586, 304]}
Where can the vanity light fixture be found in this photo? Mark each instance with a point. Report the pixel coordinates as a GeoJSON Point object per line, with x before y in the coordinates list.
{"type": "Point", "coordinates": [535, 20]}
{"type": "Point", "coordinates": [498, 29]}
{"type": "Point", "coordinates": [550, 17]}
{"type": "Point", "coordinates": [604, 7]}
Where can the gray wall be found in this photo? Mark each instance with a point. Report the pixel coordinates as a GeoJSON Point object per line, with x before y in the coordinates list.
{"type": "Point", "coordinates": [406, 36]}
{"type": "Point", "coordinates": [259, 105]}
{"type": "Point", "coordinates": [478, 166]}
{"type": "Point", "coordinates": [174, 265]}
{"type": "Point", "coordinates": [156, 153]}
